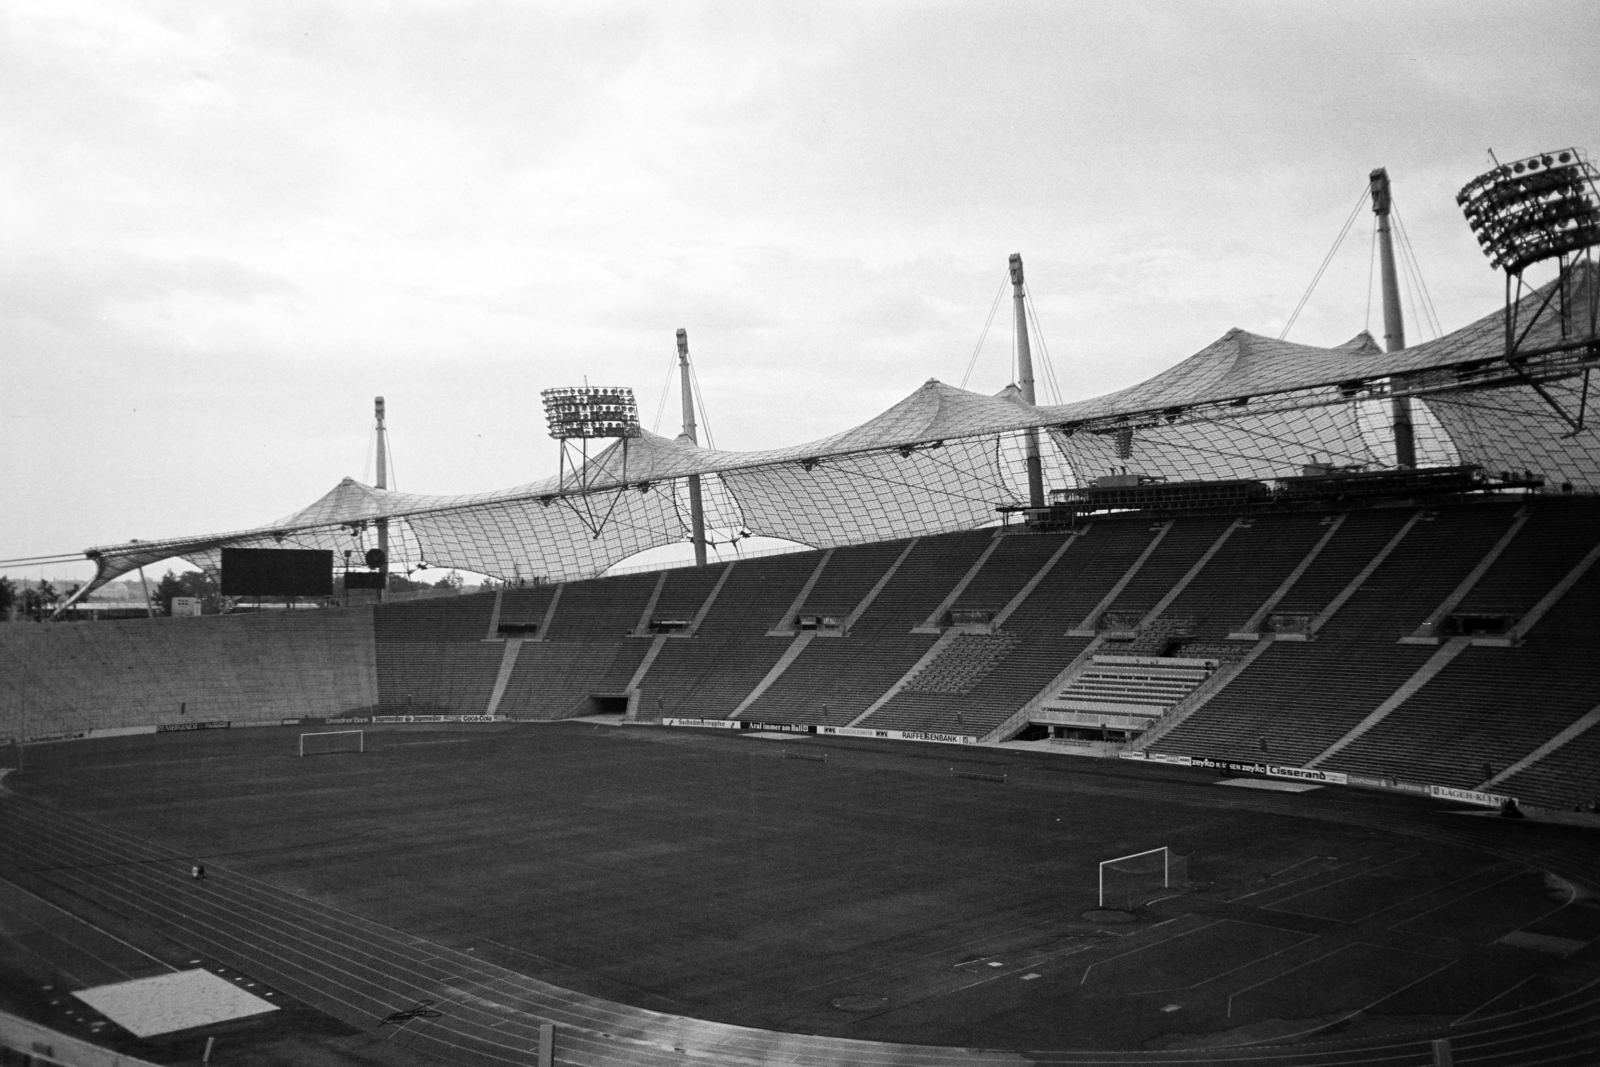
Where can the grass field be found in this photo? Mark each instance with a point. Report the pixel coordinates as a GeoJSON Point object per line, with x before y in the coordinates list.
{"type": "Point", "coordinates": [872, 895]}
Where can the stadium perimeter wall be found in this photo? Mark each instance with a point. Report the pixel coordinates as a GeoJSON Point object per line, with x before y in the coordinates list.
{"type": "Point", "coordinates": [184, 673]}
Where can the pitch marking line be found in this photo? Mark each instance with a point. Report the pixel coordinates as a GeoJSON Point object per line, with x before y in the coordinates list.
{"type": "Point", "coordinates": [448, 741]}
{"type": "Point", "coordinates": [1277, 905]}
{"type": "Point", "coordinates": [1162, 941]}
{"type": "Point", "coordinates": [1329, 955]}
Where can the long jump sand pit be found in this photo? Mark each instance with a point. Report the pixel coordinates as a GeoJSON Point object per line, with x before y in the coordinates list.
{"type": "Point", "coordinates": [166, 1003]}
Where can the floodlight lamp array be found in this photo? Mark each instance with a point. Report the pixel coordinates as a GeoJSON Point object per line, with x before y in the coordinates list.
{"type": "Point", "coordinates": [588, 411]}
{"type": "Point", "coordinates": [1534, 209]}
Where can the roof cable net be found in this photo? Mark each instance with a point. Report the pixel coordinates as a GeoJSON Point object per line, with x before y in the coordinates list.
{"type": "Point", "coordinates": [943, 459]}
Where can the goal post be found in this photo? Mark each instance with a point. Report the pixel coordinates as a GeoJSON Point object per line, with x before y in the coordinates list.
{"type": "Point", "coordinates": [325, 741]}
{"type": "Point", "coordinates": [1129, 881]}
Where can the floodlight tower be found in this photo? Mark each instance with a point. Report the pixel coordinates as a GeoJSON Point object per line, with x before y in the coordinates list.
{"type": "Point", "coordinates": [582, 414]}
{"type": "Point", "coordinates": [1536, 209]}
{"type": "Point", "coordinates": [1025, 383]}
{"type": "Point", "coordinates": [1394, 328]}
{"type": "Point", "coordinates": [697, 515]}
{"type": "Point", "coordinates": [382, 482]}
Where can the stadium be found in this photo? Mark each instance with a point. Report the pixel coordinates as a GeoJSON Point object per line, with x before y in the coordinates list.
{"type": "Point", "coordinates": [1246, 715]}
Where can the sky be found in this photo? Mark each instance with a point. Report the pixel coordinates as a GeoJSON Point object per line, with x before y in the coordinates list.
{"type": "Point", "coordinates": [229, 226]}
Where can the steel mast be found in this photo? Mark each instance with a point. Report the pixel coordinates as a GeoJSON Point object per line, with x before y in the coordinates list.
{"type": "Point", "coordinates": [1394, 328]}
{"type": "Point", "coordinates": [1025, 383]}
{"type": "Point", "coordinates": [697, 515]}
{"type": "Point", "coordinates": [382, 482]}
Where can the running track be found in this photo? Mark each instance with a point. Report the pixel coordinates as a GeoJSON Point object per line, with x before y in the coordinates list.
{"type": "Point", "coordinates": [359, 971]}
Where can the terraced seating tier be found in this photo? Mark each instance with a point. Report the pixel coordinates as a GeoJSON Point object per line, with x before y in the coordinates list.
{"type": "Point", "coordinates": [1361, 537]}
{"type": "Point", "coordinates": [1559, 532]}
{"type": "Point", "coordinates": [1097, 560]}
{"type": "Point", "coordinates": [601, 608]}
{"type": "Point", "coordinates": [708, 675]}
{"type": "Point", "coordinates": [932, 569]}
{"type": "Point", "coordinates": [963, 663]}
{"type": "Point", "coordinates": [1271, 711]}
{"type": "Point", "coordinates": [1567, 777]}
{"type": "Point", "coordinates": [455, 676]}
{"type": "Point", "coordinates": [849, 576]}
{"type": "Point", "coordinates": [1423, 570]}
{"type": "Point", "coordinates": [1139, 687]}
{"type": "Point", "coordinates": [554, 679]}
{"type": "Point", "coordinates": [686, 590]}
{"type": "Point", "coordinates": [833, 681]}
{"type": "Point", "coordinates": [1491, 706]}
{"type": "Point", "coordinates": [255, 667]}
{"type": "Point", "coordinates": [1179, 550]}
{"type": "Point", "coordinates": [1016, 559]}
{"type": "Point", "coordinates": [1081, 578]}
{"type": "Point", "coordinates": [1246, 570]}
{"type": "Point", "coordinates": [454, 618]}
{"type": "Point", "coordinates": [526, 605]}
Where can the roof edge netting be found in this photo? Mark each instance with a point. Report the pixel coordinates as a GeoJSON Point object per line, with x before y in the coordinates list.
{"type": "Point", "coordinates": [943, 458]}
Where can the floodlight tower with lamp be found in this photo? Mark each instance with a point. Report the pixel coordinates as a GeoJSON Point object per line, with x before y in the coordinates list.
{"type": "Point", "coordinates": [1025, 383]}
{"type": "Point", "coordinates": [582, 414]}
{"type": "Point", "coordinates": [697, 514]}
{"type": "Point", "coordinates": [1526, 212]}
{"type": "Point", "coordinates": [1394, 329]}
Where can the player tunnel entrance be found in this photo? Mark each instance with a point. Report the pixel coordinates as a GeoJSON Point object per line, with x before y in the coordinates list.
{"type": "Point", "coordinates": [610, 703]}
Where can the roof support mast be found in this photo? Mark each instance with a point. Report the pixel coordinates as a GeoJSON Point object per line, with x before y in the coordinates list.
{"type": "Point", "coordinates": [1394, 328]}
{"type": "Point", "coordinates": [1025, 383]}
{"type": "Point", "coordinates": [697, 515]}
{"type": "Point", "coordinates": [382, 482]}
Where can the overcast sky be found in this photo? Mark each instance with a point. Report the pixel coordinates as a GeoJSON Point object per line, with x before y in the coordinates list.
{"type": "Point", "coordinates": [228, 226]}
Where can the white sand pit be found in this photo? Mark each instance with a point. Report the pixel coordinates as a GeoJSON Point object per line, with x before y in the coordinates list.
{"type": "Point", "coordinates": [179, 1001]}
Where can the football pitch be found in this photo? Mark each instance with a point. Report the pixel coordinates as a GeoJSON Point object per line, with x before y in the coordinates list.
{"type": "Point", "coordinates": [925, 894]}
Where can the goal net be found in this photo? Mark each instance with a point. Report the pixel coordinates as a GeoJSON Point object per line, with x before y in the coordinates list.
{"type": "Point", "coordinates": [1129, 881]}
{"type": "Point", "coordinates": [320, 744]}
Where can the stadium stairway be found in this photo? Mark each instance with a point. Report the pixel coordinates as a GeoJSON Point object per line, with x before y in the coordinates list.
{"type": "Point", "coordinates": [831, 680]}
{"type": "Point", "coordinates": [1356, 700]}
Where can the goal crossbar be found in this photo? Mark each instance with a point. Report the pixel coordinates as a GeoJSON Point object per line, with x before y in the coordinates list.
{"type": "Point", "coordinates": [1165, 867]}
{"type": "Point", "coordinates": [340, 741]}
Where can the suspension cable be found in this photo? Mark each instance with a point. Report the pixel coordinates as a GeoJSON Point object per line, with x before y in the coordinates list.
{"type": "Point", "coordinates": [705, 419]}
{"type": "Point", "coordinates": [1044, 349]}
{"type": "Point", "coordinates": [1366, 191]}
{"type": "Point", "coordinates": [666, 387]}
{"type": "Point", "coordinates": [973, 362]}
{"type": "Point", "coordinates": [1415, 268]}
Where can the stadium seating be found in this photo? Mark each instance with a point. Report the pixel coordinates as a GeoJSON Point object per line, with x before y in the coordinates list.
{"type": "Point", "coordinates": [432, 655]}
{"type": "Point", "coordinates": [836, 679]}
{"type": "Point", "coordinates": [1491, 706]}
{"type": "Point", "coordinates": [707, 675]}
{"type": "Point", "coordinates": [63, 677]}
{"type": "Point", "coordinates": [1246, 570]}
{"type": "Point", "coordinates": [1369, 689]}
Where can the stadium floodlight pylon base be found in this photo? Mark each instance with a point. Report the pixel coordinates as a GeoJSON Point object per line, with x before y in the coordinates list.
{"type": "Point", "coordinates": [324, 742]}
{"type": "Point", "coordinates": [1130, 881]}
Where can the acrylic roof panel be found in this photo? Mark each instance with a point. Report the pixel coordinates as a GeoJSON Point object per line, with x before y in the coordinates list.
{"type": "Point", "coordinates": [943, 458]}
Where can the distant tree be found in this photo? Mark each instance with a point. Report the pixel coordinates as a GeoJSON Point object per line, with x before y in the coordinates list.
{"type": "Point", "coordinates": [39, 599]}
{"type": "Point", "coordinates": [203, 586]}
{"type": "Point", "coordinates": [453, 581]}
{"type": "Point", "coordinates": [168, 587]}
{"type": "Point", "coordinates": [197, 584]}
{"type": "Point", "coordinates": [399, 583]}
{"type": "Point", "coordinates": [8, 598]}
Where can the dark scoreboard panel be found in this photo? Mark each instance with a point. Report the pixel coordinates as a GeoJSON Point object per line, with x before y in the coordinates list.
{"type": "Point", "coordinates": [277, 572]}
